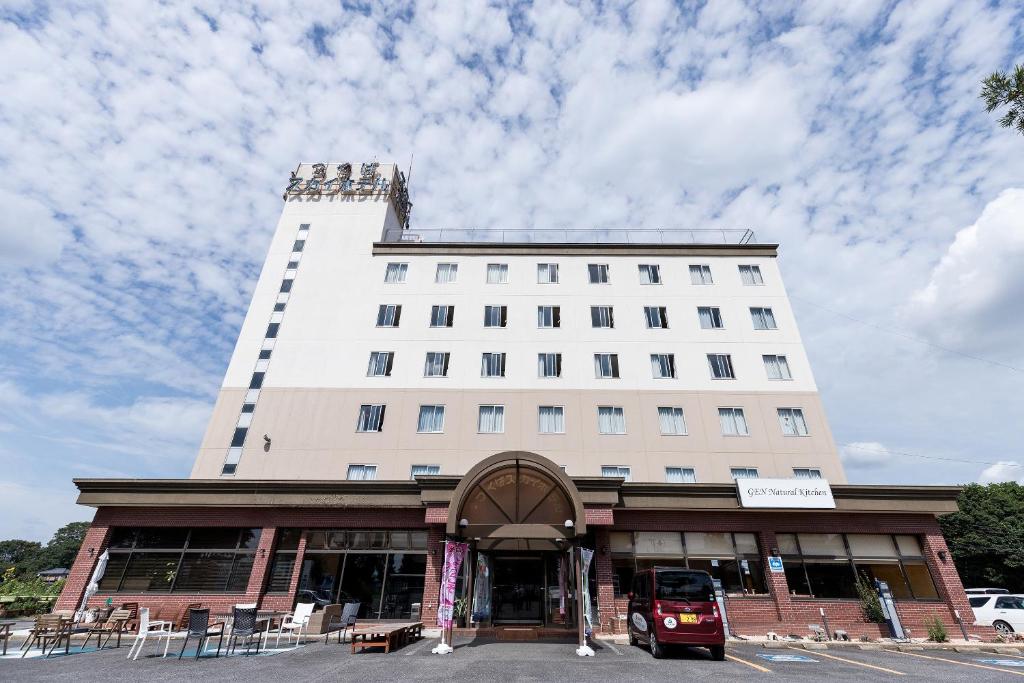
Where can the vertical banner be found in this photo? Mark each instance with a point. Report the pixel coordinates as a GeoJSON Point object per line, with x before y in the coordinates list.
{"type": "Point", "coordinates": [454, 553]}
{"type": "Point", "coordinates": [587, 556]}
{"type": "Point", "coordinates": [563, 571]}
{"type": "Point", "coordinates": [482, 588]}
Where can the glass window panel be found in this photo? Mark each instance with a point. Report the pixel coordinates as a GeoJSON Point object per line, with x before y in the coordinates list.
{"type": "Point", "coordinates": [363, 580]}
{"type": "Point", "coordinates": [680, 475]}
{"type": "Point", "coordinates": [622, 575]}
{"type": "Point", "coordinates": [316, 540]}
{"type": "Point", "coordinates": [497, 273]}
{"type": "Point", "coordinates": [833, 579]}
{"type": "Point", "coordinates": [650, 563]}
{"type": "Point", "coordinates": [213, 537]}
{"type": "Point", "coordinates": [621, 541]}
{"type": "Point", "coordinates": [787, 544]}
{"type": "Point", "coordinates": [122, 537]}
{"type": "Point", "coordinates": [404, 585]}
{"type": "Point", "coordinates": [337, 540]}
{"type": "Point", "coordinates": [713, 544]}
{"type": "Point", "coordinates": [746, 544]}
{"type": "Point", "coordinates": [725, 570]}
{"type": "Point", "coordinates": [752, 577]}
{"type": "Point", "coordinates": [920, 580]}
{"type": "Point", "coordinates": [871, 545]}
{"type": "Point", "coordinates": [150, 572]}
{"type": "Point", "coordinates": [161, 538]}
{"type": "Point", "coordinates": [288, 539]}
{"type": "Point", "coordinates": [822, 544]}
{"type": "Point", "coordinates": [888, 572]}
{"type": "Point", "coordinates": [281, 572]}
{"type": "Point", "coordinates": [418, 540]}
{"type": "Point", "coordinates": [319, 576]}
{"type": "Point", "coordinates": [239, 580]}
{"type": "Point", "coordinates": [204, 572]}
{"type": "Point", "coordinates": [909, 546]}
{"type": "Point", "coordinates": [112, 576]}
{"type": "Point", "coordinates": [552, 419]}
{"type": "Point", "coordinates": [796, 578]}
{"type": "Point", "coordinates": [659, 543]}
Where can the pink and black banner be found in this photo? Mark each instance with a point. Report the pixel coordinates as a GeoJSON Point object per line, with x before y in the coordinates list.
{"type": "Point", "coordinates": [454, 553]}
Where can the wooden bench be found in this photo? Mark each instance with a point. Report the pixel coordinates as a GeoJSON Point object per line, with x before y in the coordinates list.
{"type": "Point", "coordinates": [388, 636]}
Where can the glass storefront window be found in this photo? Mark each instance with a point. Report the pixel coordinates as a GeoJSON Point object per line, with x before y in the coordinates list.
{"type": "Point", "coordinates": [909, 546]}
{"type": "Point", "coordinates": [363, 581]}
{"type": "Point", "coordinates": [796, 579]}
{"type": "Point", "coordinates": [281, 572]}
{"type": "Point", "coordinates": [830, 579]}
{"type": "Point", "coordinates": [888, 572]}
{"type": "Point", "coordinates": [622, 575]}
{"type": "Point", "coordinates": [659, 543]}
{"type": "Point", "coordinates": [150, 572]}
{"type": "Point", "coordinates": [316, 582]}
{"type": "Point", "coordinates": [920, 580]}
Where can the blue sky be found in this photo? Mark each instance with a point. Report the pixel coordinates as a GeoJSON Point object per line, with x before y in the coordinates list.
{"type": "Point", "coordinates": [143, 150]}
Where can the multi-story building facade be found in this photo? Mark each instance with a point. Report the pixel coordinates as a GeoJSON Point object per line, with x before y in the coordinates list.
{"type": "Point", "coordinates": [528, 393]}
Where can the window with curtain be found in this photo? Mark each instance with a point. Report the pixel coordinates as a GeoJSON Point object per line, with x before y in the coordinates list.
{"type": "Point", "coordinates": [446, 272]}
{"type": "Point", "coordinates": [495, 316]}
{"type": "Point", "coordinates": [552, 419]}
{"type": "Point", "coordinates": [549, 316]}
{"type": "Point", "coordinates": [598, 273]}
{"type": "Point", "coordinates": [497, 273]}
{"type": "Point", "coordinates": [650, 274]}
{"type": "Point", "coordinates": [615, 471]}
{"type": "Point", "coordinates": [492, 365]}
{"type": "Point", "coordinates": [721, 366]}
{"type": "Point", "coordinates": [743, 472]}
{"type": "Point", "coordinates": [733, 422]}
{"type": "Point", "coordinates": [671, 421]}
{"type": "Point", "coordinates": [777, 367]}
{"type": "Point", "coordinates": [547, 273]}
{"type": "Point", "coordinates": [763, 318]}
{"type": "Point", "coordinates": [388, 315]}
{"type": "Point", "coordinates": [611, 420]}
{"type": "Point", "coordinates": [680, 475]}
{"type": "Point", "coordinates": [656, 317]}
{"type": "Point", "coordinates": [700, 275]}
{"type": "Point", "coordinates": [601, 316]}
{"type": "Point", "coordinates": [361, 472]}
{"type": "Point", "coordinates": [381, 363]}
{"type": "Point", "coordinates": [710, 317]}
{"type": "Point", "coordinates": [549, 365]}
{"type": "Point", "coordinates": [436, 364]}
{"type": "Point", "coordinates": [492, 420]}
{"type": "Point", "coordinates": [751, 275]}
{"type": "Point", "coordinates": [431, 420]}
{"type": "Point", "coordinates": [732, 558]}
{"type": "Point", "coordinates": [806, 473]}
{"type": "Point", "coordinates": [606, 365]}
{"type": "Point", "coordinates": [418, 470]}
{"type": "Point", "coordinates": [371, 418]}
{"type": "Point", "coordinates": [396, 272]}
{"type": "Point", "coordinates": [442, 316]}
{"type": "Point", "coordinates": [792, 421]}
{"type": "Point", "coordinates": [663, 365]}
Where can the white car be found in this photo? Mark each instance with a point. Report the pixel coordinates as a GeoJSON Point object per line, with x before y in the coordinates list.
{"type": "Point", "coordinates": [986, 591]}
{"type": "Point", "coordinates": [1005, 613]}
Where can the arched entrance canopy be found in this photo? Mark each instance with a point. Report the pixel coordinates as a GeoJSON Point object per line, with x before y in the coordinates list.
{"type": "Point", "coordinates": [516, 499]}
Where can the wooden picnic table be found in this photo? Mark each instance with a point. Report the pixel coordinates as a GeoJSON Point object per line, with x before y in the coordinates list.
{"type": "Point", "coordinates": [388, 636]}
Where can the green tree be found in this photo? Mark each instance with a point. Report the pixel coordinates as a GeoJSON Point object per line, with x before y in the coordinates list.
{"type": "Point", "coordinates": [986, 537]}
{"type": "Point", "coordinates": [59, 552]}
{"type": "Point", "coordinates": [1002, 89]}
{"type": "Point", "coordinates": [14, 552]}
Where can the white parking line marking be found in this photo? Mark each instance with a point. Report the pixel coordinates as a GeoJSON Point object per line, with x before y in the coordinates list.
{"type": "Point", "coordinates": [750, 664]}
{"type": "Point", "coordinates": [953, 661]}
{"type": "Point", "coordinates": [853, 661]}
{"type": "Point", "coordinates": [611, 647]}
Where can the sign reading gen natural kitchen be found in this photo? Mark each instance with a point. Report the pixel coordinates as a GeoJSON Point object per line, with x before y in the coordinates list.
{"type": "Point", "coordinates": [785, 493]}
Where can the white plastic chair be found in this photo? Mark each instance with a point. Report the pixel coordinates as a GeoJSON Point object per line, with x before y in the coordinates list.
{"type": "Point", "coordinates": [160, 629]}
{"type": "Point", "coordinates": [296, 622]}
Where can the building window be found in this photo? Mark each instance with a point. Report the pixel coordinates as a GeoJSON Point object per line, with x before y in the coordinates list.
{"type": "Point", "coordinates": [663, 365]}
{"type": "Point", "coordinates": [495, 316]}
{"type": "Point", "coordinates": [671, 421]}
{"type": "Point", "coordinates": [361, 472]}
{"type": "Point", "coordinates": [733, 422]}
{"type": "Point", "coordinates": [776, 367]}
{"type": "Point", "coordinates": [606, 365]}
{"type": "Point", "coordinates": [649, 274]}
{"type": "Point", "coordinates": [431, 420]}
{"type": "Point", "coordinates": [792, 421]}
{"type": "Point", "coordinates": [424, 470]}
{"type": "Point", "coordinates": [257, 380]}
{"type": "Point", "coordinates": [721, 366]}
{"type": "Point", "coordinates": [701, 275]}
{"type": "Point", "coordinates": [436, 364]}
{"type": "Point", "coordinates": [710, 317]}
{"type": "Point", "coordinates": [492, 365]}
{"type": "Point", "coordinates": [265, 354]}
{"type": "Point", "coordinates": [656, 317]}
{"type": "Point", "coordinates": [298, 246]}
{"type": "Point", "coordinates": [238, 438]}
{"type": "Point", "coordinates": [446, 272]}
{"type": "Point", "coordinates": [549, 316]}
{"type": "Point", "coordinates": [380, 364]}
{"type": "Point", "coordinates": [680, 475]}
{"type": "Point", "coordinates": [743, 472]}
{"type": "Point", "coordinates": [279, 307]}
{"type": "Point", "coordinates": [763, 318]}
{"type": "Point", "coordinates": [602, 316]}
{"type": "Point", "coordinates": [547, 273]}
{"type": "Point", "coordinates": [286, 286]}
{"type": "Point", "coordinates": [442, 316]}
{"type": "Point", "coordinates": [806, 473]}
{"type": "Point", "coordinates": [598, 273]}
{"type": "Point", "coordinates": [552, 419]}
{"type": "Point", "coordinates": [497, 273]}
{"type": "Point", "coordinates": [549, 365]}
{"type": "Point", "coordinates": [611, 420]}
{"type": "Point", "coordinates": [396, 272]}
{"type": "Point", "coordinates": [272, 329]}
{"type": "Point", "coordinates": [615, 471]}
{"type": "Point", "coordinates": [491, 420]}
{"type": "Point", "coordinates": [371, 418]}
{"type": "Point", "coordinates": [751, 275]}
{"type": "Point", "coordinates": [389, 315]}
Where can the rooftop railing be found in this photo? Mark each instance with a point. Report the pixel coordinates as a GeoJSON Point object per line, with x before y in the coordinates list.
{"type": "Point", "coordinates": [575, 236]}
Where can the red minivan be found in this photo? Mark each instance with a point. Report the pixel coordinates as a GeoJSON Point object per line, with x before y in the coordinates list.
{"type": "Point", "coordinates": [673, 606]}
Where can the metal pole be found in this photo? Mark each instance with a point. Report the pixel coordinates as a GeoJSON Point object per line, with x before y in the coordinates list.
{"type": "Point", "coordinates": [963, 629]}
{"type": "Point", "coordinates": [824, 618]}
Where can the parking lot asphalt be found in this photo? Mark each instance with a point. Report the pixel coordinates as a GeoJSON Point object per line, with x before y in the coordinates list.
{"type": "Point", "coordinates": [532, 661]}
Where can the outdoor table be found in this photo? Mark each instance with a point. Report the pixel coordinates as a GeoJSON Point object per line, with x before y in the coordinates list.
{"type": "Point", "coordinates": [5, 632]}
{"type": "Point", "coordinates": [387, 636]}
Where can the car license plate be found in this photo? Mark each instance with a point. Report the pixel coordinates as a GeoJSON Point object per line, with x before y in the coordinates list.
{"type": "Point", "coordinates": [687, 618]}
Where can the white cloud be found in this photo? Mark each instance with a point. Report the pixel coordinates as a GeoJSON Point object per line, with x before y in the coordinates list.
{"type": "Point", "coordinates": [865, 455]}
{"type": "Point", "coordinates": [1004, 470]}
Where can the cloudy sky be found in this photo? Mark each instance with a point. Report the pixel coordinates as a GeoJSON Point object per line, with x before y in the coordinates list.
{"type": "Point", "coordinates": [143, 151]}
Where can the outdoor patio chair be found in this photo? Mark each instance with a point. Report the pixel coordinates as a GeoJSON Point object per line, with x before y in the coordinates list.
{"type": "Point", "coordinates": [199, 627]}
{"type": "Point", "coordinates": [117, 622]}
{"type": "Point", "coordinates": [296, 622]}
{"type": "Point", "coordinates": [243, 625]}
{"type": "Point", "coordinates": [160, 629]}
{"type": "Point", "coordinates": [133, 616]}
{"type": "Point", "coordinates": [181, 623]}
{"type": "Point", "coordinates": [49, 628]}
{"type": "Point", "coordinates": [344, 622]}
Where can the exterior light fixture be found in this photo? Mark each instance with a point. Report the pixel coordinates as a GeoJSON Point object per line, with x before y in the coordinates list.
{"type": "Point", "coordinates": [92, 551]}
{"type": "Point", "coordinates": [942, 556]}
{"type": "Point", "coordinates": [463, 522]}
{"type": "Point", "coordinates": [569, 524]}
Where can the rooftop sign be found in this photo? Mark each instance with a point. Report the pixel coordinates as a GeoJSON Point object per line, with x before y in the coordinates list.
{"type": "Point", "coordinates": [785, 493]}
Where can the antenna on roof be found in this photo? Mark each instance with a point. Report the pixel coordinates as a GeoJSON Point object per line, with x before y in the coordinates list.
{"type": "Point", "coordinates": [408, 176]}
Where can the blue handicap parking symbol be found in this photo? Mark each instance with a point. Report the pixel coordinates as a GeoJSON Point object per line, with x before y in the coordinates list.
{"type": "Point", "coordinates": [788, 658]}
{"type": "Point", "coordinates": [1019, 663]}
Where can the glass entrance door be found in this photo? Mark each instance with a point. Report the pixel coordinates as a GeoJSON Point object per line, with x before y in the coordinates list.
{"type": "Point", "coordinates": [518, 596]}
